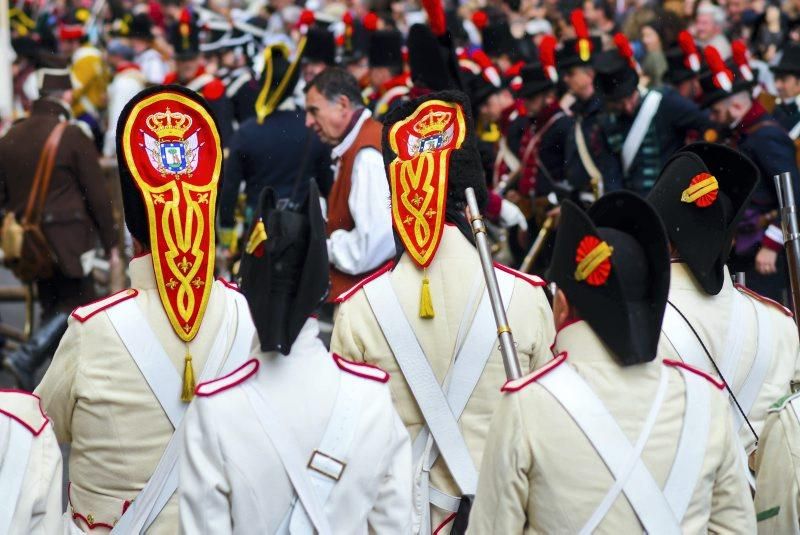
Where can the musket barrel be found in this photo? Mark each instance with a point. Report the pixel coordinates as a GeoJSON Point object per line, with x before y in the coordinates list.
{"type": "Point", "coordinates": [791, 234]}
{"type": "Point", "coordinates": [507, 347]}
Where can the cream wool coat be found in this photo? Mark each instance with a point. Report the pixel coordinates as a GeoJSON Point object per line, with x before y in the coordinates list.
{"type": "Point", "coordinates": [38, 507]}
{"type": "Point", "coordinates": [357, 336]}
{"type": "Point", "coordinates": [234, 482]}
{"type": "Point", "coordinates": [101, 404]}
{"type": "Point", "coordinates": [710, 316]}
{"type": "Point", "coordinates": [540, 474]}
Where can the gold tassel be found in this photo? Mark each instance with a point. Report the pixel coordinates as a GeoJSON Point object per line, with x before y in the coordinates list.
{"type": "Point", "coordinates": [425, 301]}
{"type": "Point", "coordinates": [188, 378]}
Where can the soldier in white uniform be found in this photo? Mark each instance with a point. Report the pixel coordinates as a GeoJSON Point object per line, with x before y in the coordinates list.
{"type": "Point", "coordinates": [426, 318]}
{"type": "Point", "coordinates": [126, 368]}
{"type": "Point", "coordinates": [30, 467]}
{"type": "Point", "coordinates": [315, 445]}
{"type": "Point", "coordinates": [606, 437]}
{"type": "Point", "coordinates": [723, 329]}
{"type": "Point", "coordinates": [777, 465]}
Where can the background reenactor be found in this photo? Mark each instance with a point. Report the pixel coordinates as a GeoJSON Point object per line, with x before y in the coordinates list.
{"type": "Point", "coordinates": [387, 77]}
{"type": "Point", "coordinates": [426, 318]}
{"type": "Point", "coordinates": [125, 371]}
{"type": "Point", "coordinates": [569, 449]}
{"type": "Point", "coordinates": [75, 213]}
{"type": "Point", "coordinates": [257, 441]}
{"type": "Point", "coordinates": [729, 332]}
{"type": "Point", "coordinates": [684, 63]}
{"type": "Point", "coordinates": [787, 82]}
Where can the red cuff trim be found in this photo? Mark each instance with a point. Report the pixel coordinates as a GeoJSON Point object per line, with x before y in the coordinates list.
{"type": "Point", "coordinates": [85, 312]}
{"type": "Point", "coordinates": [492, 210]}
{"type": "Point", "coordinates": [765, 300]}
{"type": "Point", "coordinates": [447, 520]}
{"type": "Point", "coordinates": [361, 369]}
{"type": "Point", "coordinates": [347, 294]}
{"type": "Point", "coordinates": [36, 431]}
{"type": "Point", "coordinates": [78, 516]}
{"type": "Point", "coordinates": [772, 245]}
{"type": "Point", "coordinates": [226, 382]}
{"type": "Point", "coordinates": [533, 280]}
{"type": "Point", "coordinates": [678, 364]}
{"type": "Point", "coordinates": [518, 384]}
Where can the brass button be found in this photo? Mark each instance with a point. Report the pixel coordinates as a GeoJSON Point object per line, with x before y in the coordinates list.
{"type": "Point", "coordinates": [90, 518]}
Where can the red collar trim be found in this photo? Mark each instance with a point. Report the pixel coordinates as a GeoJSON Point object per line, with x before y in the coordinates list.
{"type": "Point", "coordinates": [533, 280]}
{"type": "Point", "coordinates": [82, 314]}
{"type": "Point", "coordinates": [564, 326]}
{"type": "Point", "coordinates": [229, 284]}
{"type": "Point", "coordinates": [518, 384]}
{"type": "Point", "coordinates": [765, 300]}
{"type": "Point", "coordinates": [678, 364]}
{"type": "Point", "coordinates": [36, 432]}
{"type": "Point", "coordinates": [344, 296]}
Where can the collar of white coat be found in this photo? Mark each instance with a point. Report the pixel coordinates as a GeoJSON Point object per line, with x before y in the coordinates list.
{"type": "Point", "coordinates": [454, 247]}
{"type": "Point", "coordinates": [580, 343]}
{"type": "Point", "coordinates": [141, 271]}
{"type": "Point", "coordinates": [307, 343]}
{"type": "Point", "coordinates": [348, 140]}
{"type": "Point", "coordinates": [681, 278]}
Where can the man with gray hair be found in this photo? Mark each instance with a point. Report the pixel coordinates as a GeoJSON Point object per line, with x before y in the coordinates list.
{"type": "Point", "coordinates": [359, 222]}
{"type": "Point", "coordinates": [709, 26]}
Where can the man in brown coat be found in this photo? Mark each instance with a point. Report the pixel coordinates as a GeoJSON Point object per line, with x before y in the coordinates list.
{"type": "Point", "coordinates": [359, 222]}
{"type": "Point", "coordinates": [77, 210]}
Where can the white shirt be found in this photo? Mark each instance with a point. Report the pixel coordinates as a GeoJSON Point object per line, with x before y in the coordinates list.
{"type": "Point", "coordinates": [153, 66]}
{"type": "Point", "coordinates": [371, 243]}
{"type": "Point", "coordinates": [232, 478]}
{"type": "Point", "coordinates": [125, 85]}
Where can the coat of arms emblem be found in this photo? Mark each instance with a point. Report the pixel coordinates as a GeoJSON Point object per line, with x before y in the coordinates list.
{"type": "Point", "coordinates": [169, 152]}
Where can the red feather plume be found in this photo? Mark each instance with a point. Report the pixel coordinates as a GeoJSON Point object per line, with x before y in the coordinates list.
{"type": "Point", "coordinates": [347, 18]}
{"type": "Point", "coordinates": [547, 50]}
{"type": "Point", "coordinates": [480, 19]}
{"type": "Point", "coordinates": [686, 42]}
{"type": "Point", "coordinates": [370, 21]}
{"type": "Point", "coordinates": [579, 23]}
{"type": "Point", "coordinates": [515, 69]}
{"type": "Point", "coordinates": [718, 67]}
{"type": "Point", "coordinates": [307, 18]}
{"type": "Point", "coordinates": [739, 52]}
{"type": "Point", "coordinates": [624, 48]}
{"type": "Point", "coordinates": [436, 18]}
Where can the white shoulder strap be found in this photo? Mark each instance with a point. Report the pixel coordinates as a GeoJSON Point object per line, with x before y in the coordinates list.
{"type": "Point", "coordinates": [329, 460]}
{"type": "Point", "coordinates": [131, 324]}
{"type": "Point", "coordinates": [583, 152]}
{"type": "Point", "coordinates": [748, 392]}
{"type": "Point", "coordinates": [733, 349]}
{"type": "Point", "coordinates": [422, 381]}
{"type": "Point", "coordinates": [683, 339]}
{"type": "Point", "coordinates": [13, 467]}
{"type": "Point", "coordinates": [795, 131]}
{"type": "Point", "coordinates": [291, 458]}
{"type": "Point", "coordinates": [589, 413]}
{"type": "Point", "coordinates": [639, 128]}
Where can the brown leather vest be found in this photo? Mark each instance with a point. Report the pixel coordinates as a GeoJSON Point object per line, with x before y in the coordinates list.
{"type": "Point", "coordinates": [339, 216]}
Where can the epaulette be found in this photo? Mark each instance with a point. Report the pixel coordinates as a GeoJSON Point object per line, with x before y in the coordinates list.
{"type": "Point", "coordinates": [781, 403]}
{"type": "Point", "coordinates": [678, 364]}
{"type": "Point", "coordinates": [237, 376]}
{"type": "Point", "coordinates": [24, 408]}
{"type": "Point", "coordinates": [361, 369]}
{"type": "Point", "coordinates": [213, 90]}
{"type": "Point", "coordinates": [229, 284]}
{"type": "Point", "coordinates": [765, 300]}
{"type": "Point", "coordinates": [515, 385]}
{"type": "Point", "coordinates": [533, 280]}
{"type": "Point", "coordinates": [87, 311]}
{"type": "Point", "coordinates": [347, 294]}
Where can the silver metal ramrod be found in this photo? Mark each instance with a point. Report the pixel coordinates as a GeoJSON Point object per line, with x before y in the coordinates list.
{"type": "Point", "coordinates": [791, 234]}
{"type": "Point", "coordinates": [507, 347]}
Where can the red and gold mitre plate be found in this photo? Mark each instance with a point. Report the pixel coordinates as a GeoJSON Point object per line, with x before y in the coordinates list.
{"type": "Point", "coordinates": [172, 149]}
{"type": "Point", "coordinates": [423, 143]}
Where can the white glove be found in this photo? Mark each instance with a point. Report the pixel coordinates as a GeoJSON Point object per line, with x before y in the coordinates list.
{"type": "Point", "coordinates": [511, 215]}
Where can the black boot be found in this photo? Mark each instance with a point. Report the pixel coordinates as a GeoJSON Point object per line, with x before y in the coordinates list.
{"type": "Point", "coordinates": [23, 362]}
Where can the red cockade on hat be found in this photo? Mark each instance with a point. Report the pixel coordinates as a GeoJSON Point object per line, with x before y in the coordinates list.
{"type": "Point", "coordinates": [702, 191]}
{"type": "Point", "coordinates": [171, 146]}
{"type": "Point", "coordinates": [594, 261]}
{"type": "Point", "coordinates": [418, 175]}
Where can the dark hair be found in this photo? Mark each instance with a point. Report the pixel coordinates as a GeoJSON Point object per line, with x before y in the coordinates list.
{"type": "Point", "coordinates": [335, 82]}
{"type": "Point", "coordinates": [606, 7]}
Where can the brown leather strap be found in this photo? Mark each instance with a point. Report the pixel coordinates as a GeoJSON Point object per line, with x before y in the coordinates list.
{"type": "Point", "coordinates": [41, 179]}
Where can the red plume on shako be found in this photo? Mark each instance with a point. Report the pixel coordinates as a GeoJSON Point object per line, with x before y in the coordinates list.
{"type": "Point", "coordinates": [689, 49]}
{"type": "Point", "coordinates": [547, 57]}
{"type": "Point", "coordinates": [740, 58]}
{"type": "Point", "coordinates": [723, 77]}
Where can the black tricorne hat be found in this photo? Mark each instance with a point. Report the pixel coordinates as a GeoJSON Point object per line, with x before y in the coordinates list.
{"type": "Point", "coordinates": [385, 48]}
{"type": "Point", "coordinates": [790, 60]}
{"type": "Point", "coordinates": [533, 81]}
{"type": "Point", "coordinates": [320, 46]}
{"type": "Point", "coordinates": [612, 264]}
{"type": "Point", "coordinates": [677, 70]}
{"type": "Point", "coordinates": [569, 54]}
{"type": "Point", "coordinates": [284, 269]}
{"type": "Point", "coordinates": [701, 195]}
{"type": "Point", "coordinates": [614, 76]}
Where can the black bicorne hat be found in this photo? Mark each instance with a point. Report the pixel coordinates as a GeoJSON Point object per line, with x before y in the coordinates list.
{"type": "Point", "coordinates": [320, 46]}
{"type": "Point", "coordinates": [614, 76]}
{"type": "Point", "coordinates": [722, 79]}
{"type": "Point", "coordinates": [612, 263]}
{"type": "Point", "coordinates": [185, 36]}
{"type": "Point", "coordinates": [677, 69]}
{"type": "Point", "coordinates": [278, 78]}
{"type": "Point", "coordinates": [284, 270]}
{"type": "Point", "coordinates": [701, 195]}
{"type": "Point", "coordinates": [790, 60]}
{"type": "Point", "coordinates": [570, 55]}
{"type": "Point", "coordinates": [385, 48]}
{"type": "Point", "coordinates": [533, 81]}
